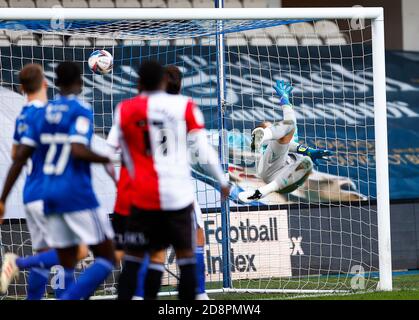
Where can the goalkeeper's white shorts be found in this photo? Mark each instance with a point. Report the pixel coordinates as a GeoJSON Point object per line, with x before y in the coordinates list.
{"type": "Point", "coordinates": [88, 227]}
{"type": "Point", "coordinates": [37, 224]}
{"type": "Point", "coordinates": [274, 158]}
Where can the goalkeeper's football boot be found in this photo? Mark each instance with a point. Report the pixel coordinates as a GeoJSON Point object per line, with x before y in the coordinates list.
{"type": "Point", "coordinates": [249, 196]}
{"type": "Point", "coordinates": [257, 139]}
{"type": "Point", "coordinates": [9, 271]}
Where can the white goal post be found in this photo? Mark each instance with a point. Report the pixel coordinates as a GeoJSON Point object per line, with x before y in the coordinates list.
{"type": "Point", "coordinates": [375, 15]}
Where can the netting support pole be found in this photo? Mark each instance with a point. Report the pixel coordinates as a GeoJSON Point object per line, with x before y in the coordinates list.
{"type": "Point", "coordinates": [381, 147]}
{"type": "Point", "coordinates": [223, 148]}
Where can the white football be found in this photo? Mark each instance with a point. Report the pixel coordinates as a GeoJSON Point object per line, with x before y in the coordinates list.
{"type": "Point", "coordinates": [100, 62]}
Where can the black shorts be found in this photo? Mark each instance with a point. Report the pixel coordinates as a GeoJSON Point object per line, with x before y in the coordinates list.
{"type": "Point", "coordinates": [153, 230]}
{"type": "Point", "coordinates": [119, 224]}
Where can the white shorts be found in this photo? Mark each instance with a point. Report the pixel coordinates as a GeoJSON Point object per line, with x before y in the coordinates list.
{"type": "Point", "coordinates": [272, 161]}
{"type": "Point", "coordinates": [88, 227]}
{"type": "Point", "coordinates": [198, 215]}
{"type": "Point", "coordinates": [37, 224]}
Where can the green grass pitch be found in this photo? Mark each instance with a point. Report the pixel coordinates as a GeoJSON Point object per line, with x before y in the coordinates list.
{"type": "Point", "coordinates": [405, 287]}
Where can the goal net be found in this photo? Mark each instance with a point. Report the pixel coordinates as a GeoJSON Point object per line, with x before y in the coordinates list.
{"type": "Point", "coordinates": [324, 236]}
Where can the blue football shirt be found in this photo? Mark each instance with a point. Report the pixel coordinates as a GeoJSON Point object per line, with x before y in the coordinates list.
{"type": "Point", "coordinates": [32, 190]}
{"type": "Point", "coordinates": [68, 185]}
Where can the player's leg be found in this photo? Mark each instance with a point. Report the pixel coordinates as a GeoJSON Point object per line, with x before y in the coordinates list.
{"type": "Point", "coordinates": [183, 235]}
{"type": "Point", "coordinates": [95, 274]}
{"type": "Point", "coordinates": [146, 232]}
{"type": "Point", "coordinates": [154, 274]}
{"type": "Point", "coordinates": [38, 264]}
{"type": "Point", "coordinates": [135, 243]}
{"type": "Point", "coordinates": [66, 243]}
{"type": "Point", "coordinates": [200, 264]}
{"type": "Point", "coordinates": [276, 138]}
{"type": "Point", "coordinates": [45, 257]}
{"type": "Point", "coordinates": [142, 273]}
{"type": "Point", "coordinates": [186, 262]}
{"type": "Point", "coordinates": [68, 260]}
{"type": "Point", "coordinates": [282, 132]}
{"type": "Point", "coordinates": [93, 228]}
{"type": "Point", "coordinates": [68, 257]}
{"type": "Point", "coordinates": [273, 159]}
{"type": "Point", "coordinates": [289, 178]}
{"type": "Point", "coordinates": [199, 253]}
{"type": "Point", "coordinates": [69, 250]}
{"type": "Point", "coordinates": [119, 223]}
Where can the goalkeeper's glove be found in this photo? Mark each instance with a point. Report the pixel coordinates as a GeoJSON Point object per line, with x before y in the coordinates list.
{"type": "Point", "coordinates": [315, 154]}
{"type": "Point", "coordinates": [283, 89]}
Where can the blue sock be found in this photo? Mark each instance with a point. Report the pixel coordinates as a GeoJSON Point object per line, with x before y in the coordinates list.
{"type": "Point", "coordinates": [37, 281]}
{"type": "Point", "coordinates": [142, 272]}
{"type": "Point", "coordinates": [45, 260]}
{"type": "Point", "coordinates": [89, 280]}
{"type": "Point", "coordinates": [60, 287]}
{"type": "Point", "coordinates": [200, 269]}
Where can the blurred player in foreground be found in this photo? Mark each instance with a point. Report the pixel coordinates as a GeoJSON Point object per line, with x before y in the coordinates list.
{"type": "Point", "coordinates": [157, 130]}
{"type": "Point", "coordinates": [122, 211]}
{"type": "Point", "coordinates": [34, 86]}
{"type": "Point", "coordinates": [71, 207]}
{"type": "Point", "coordinates": [123, 203]}
{"type": "Point", "coordinates": [284, 164]}
{"type": "Point", "coordinates": [174, 84]}
{"type": "Point", "coordinates": [72, 211]}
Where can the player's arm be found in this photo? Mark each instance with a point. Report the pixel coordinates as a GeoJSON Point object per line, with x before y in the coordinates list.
{"type": "Point", "coordinates": [204, 153]}
{"type": "Point", "coordinates": [81, 133]}
{"type": "Point", "coordinates": [112, 143]}
{"type": "Point", "coordinates": [23, 153]}
{"type": "Point", "coordinates": [283, 90]}
{"type": "Point", "coordinates": [23, 146]}
{"type": "Point", "coordinates": [80, 151]}
{"type": "Point", "coordinates": [201, 150]}
{"type": "Point", "coordinates": [315, 154]}
{"type": "Point", "coordinates": [13, 151]}
{"type": "Point", "coordinates": [16, 139]}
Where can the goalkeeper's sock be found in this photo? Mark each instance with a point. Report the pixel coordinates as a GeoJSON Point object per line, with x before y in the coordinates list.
{"type": "Point", "coordinates": [153, 280]}
{"type": "Point", "coordinates": [89, 280]}
{"type": "Point", "coordinates": [46, 260]}
{"type": "Point", "coordinates": [269, 188]}
{"type": "Point", "coordinates": [37, 282]}
{"type": "Point", "coordinates": [60, 287]}
{"type": "Point", "coordinates": [200, 269]}
{"type": "Point", "coordinates": [142, 272]}
{"type": "Point", "coordinates": [128, 278]}
{"type": "Point", "coordinates": [187, 281]}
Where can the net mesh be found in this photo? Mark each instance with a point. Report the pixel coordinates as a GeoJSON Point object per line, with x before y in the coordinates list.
{"type": "Point", "coordinates": [315, 238]}
{"type": "Point", "coordinates": [140, 30]}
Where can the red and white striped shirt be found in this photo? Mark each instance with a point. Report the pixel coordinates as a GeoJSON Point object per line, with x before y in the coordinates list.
{"type": "Point", "coordinates": [154, 139]}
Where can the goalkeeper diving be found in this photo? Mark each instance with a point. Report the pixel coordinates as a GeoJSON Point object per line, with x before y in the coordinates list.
{"type": "Point", "coordinates": [284, 164]}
